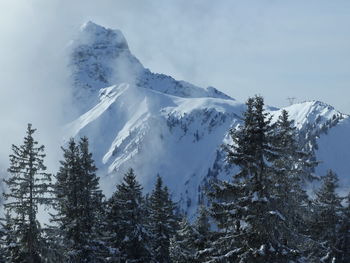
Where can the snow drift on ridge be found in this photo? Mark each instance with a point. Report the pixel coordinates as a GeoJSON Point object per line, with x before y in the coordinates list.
{"type": "Point", "coordinates": [158, 125]}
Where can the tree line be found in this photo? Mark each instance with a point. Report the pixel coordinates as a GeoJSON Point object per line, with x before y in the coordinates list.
{"type": "Point", "coordinates": [262, 214]}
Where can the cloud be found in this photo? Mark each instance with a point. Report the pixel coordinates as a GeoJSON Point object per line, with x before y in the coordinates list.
{"type": "Point", "coordinates": [277, 49]}
{"type": "Point", "coordinates": [33, 77]}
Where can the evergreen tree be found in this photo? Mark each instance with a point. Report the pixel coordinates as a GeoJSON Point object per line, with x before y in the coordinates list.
{"type": "Point", "coordinates": [9, 247]}
{"type": "Point", "coordinates": [344, 233]}
{"type": "Point", "coordinates": [249, 199]}
{"type": "Point", "coordinates": [292, 156]}
{"type": "Point", "coordinates": [79, 205]}
{"type": "Point", "coordinates": [2, 244]}
{"type": "Point", "coordinates": [162, 221]}
{"type": "Point", "coordinates": [292, 167]}
{"type": "Point", "coordinates": [95, 206]}
{"type": "Point", "coordinates": [127, 221]}
{"type": "Point", "coordinates": [326, 221]}
{"type": "Point", "coordinates": [203, 235]}
{"type": "Point", "coordinates": [28, 187]}
{"type": "Point", "coordinates": [182, 249]}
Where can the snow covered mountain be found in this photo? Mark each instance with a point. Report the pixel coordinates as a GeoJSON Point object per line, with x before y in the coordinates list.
{"type": "Point", "coordinates": [158, 125]}
{"type": "Point", "coordinates": [101, 57]}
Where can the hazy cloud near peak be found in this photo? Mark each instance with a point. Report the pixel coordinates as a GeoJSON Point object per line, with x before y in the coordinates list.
{"type": "Point", "coordinates": [274, 48]}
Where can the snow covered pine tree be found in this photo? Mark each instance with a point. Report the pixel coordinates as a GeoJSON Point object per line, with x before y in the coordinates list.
{"type": "Point", "coordinates": [28, 187]}
{"type": "Point", "coordinates": [203, 235]}
{"type": "Point", "coordinates": [251, 227]}
{"type": "Point", "coordinates": [127, 220]}
{"type": "Point", "coordinates": [79, 206]}
{"type": "Point", "coordinates": [162, 221]}
{"type": "Point", "coordinates": [344, 233]}
{"type": "Point", "coordinates": [182, 248]}
{"type": "Point", "coordinates": [325, 223]}
{"type": "Point", "coordinates": [292, 168]}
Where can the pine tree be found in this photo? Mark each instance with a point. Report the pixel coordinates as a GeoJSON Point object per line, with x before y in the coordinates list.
{"type": "Point", "coordinates": [326, 221]}
{"type": "Point", "coordinates": [248, 198]}
{"type": "Point", "coordinates": [203, 235]}
{"type": "Point", "coordinates": [344, 233]}
{"type": "Point", "coordinates": [28, 187]}
{"type": "Point", "coordinates": [292, 155]}
{"type": "Point", "coordinates": [182, 249]}
{"type": "Point", "coordinates": [94, 204]}
{"type": "Point", "coordinates": [9, 247]}
{"type": "Point", "coordinates": [79, 205]}
{"type": "Point", "coordinates": [162, 221]}
{"type": "Point", "coordinates": [2, 243]}
{"type": "Point", "coordinates": [292, 167]}
{"type": "Point", "coordinates": [128, 222]}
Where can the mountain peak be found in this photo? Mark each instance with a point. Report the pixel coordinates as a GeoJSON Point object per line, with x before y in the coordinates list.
{"type": "Point", "coordinates": [317, 106]}
{"type": "Point", "coordinates": [159, 125]}
{"type": "Point", "coordinates": [89, 26]}
{"type": "Point", "coordinates": [312, 112]}
{"type": "Point", "coordinates": [92, 33]}
{"type": "Point", "coordinates": [101, 57]}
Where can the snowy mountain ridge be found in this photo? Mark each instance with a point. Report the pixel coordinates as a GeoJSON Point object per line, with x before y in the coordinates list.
{"type": "Point", "coordinates": [101, 57]}
{"type": "Point", "coordinates": [158, 125]}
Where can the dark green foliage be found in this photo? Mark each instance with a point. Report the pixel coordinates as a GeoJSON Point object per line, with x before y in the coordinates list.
{"type": "Point", "coordinates": [79, 205]}
{"type": "Point", "coordinates": [128, 222]}
{"type": "Point", "coordinates": [182, 248]}
{"type": "Point", "coordinates": [162, 221]}
{"type": "Point", "coordinates": [292, 157]}
{"type": "Point", "coordinates": [2, 244]}
{"type": "Point", "coordinates": [9, 246]}
{"type": "Point", "coordinates": [292, 168]}
{"type": "Point", "coordinates": [203, 235]}
{"type": "Point", "coordinates": [28, 187]}
{"type": "Point", "coordinates": [262, 215]}
{"type": "Point", "coordinates": [344, 233]}
{"type": "Point", "coordinates": [326, 221]}
{"type": "Point", "coordinates": [246, 210]}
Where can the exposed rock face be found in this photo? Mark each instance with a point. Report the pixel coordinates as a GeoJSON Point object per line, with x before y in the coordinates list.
{"type": "Point", "coordinates": [158, 125]}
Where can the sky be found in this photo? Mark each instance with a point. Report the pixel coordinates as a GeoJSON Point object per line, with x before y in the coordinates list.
{"type": "Point", "coordinates": [278, 49]}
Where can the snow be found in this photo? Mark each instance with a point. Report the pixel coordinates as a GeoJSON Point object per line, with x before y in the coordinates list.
{"type": "Point", "coordinates": [145, 141]}
{"type": "Point", "coordinates": [333, 152]}
{"type": "Point", "coordinates": [108, 96]}
{"type": "Point", "coordinates": [159, 125]}
{"type": "Point", "coordinates": [309, 112]}
{"type": "Point", "coordinates": [100, 57]}
{"type": "Point", "coordinates": [100, 34]}
{"type": "Point", "coordinates": [176, 137]}
{"type": "Point", "coordinates": [278, 214]}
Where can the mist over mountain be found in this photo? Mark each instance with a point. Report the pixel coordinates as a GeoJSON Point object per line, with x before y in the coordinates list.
{"type": "Point", "coordinates": [175, 131]}
{"type": "Point", "coordinates": [158, 125]}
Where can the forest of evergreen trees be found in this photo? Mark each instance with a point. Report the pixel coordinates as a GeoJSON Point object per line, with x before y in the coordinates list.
{"type": "Point", "coordinates": [262, 214]}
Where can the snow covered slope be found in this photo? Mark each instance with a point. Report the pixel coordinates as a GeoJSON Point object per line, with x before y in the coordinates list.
{"type": "Point", "coordinates": [156, 133]}
{"type": "Point", "coordinates": [158, 125]}
{"type": "Point", "coordinates": [327, 130]}
{"type": "Point", "coordinates": [101, 57]}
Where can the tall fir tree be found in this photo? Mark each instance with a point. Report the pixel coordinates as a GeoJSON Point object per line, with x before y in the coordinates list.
{"type": "Point", "coordinates": [2, 243]}
{"type": "Point", "coordinates": [249, 199]}
{"type": "Point", "coordinates": [127, 221]}
{"type": "Point", "coordinates": [182, 248]}
{"type": "Point", "coordinates": [94, 201]}
{"type": "Point", "coordinates": [162, 221]}
{"type": "Point", "coordinates": [292, 168]}
{"type": "Point", "coordinates": [79, 206]}
{"type": "Point", "coordinates": [203, 235]}
{"type": "Point", "coordinates": [344, 233]}
{"type": "Point", "coordinates": [9, 246]}
{"type": "Point", "coordinates": [325, 223]}
{"type": "Point", "coordinates": [29, 186]}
